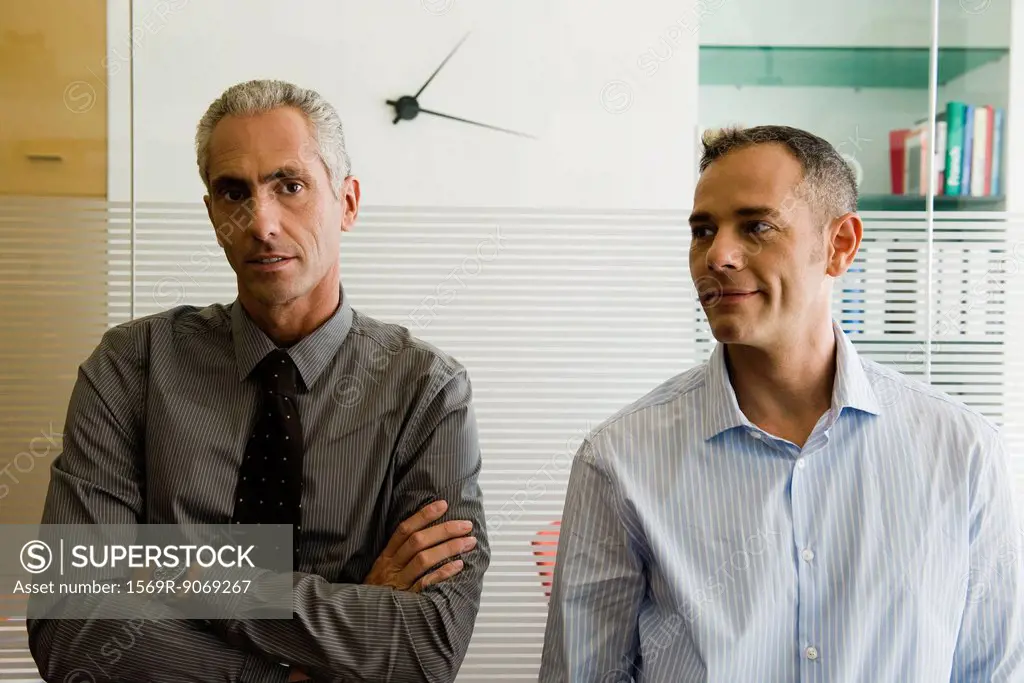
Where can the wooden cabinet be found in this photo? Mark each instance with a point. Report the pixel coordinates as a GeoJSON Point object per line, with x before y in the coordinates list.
{"type": "Point", "coordinates": [53, 98]}
{"type": "Point", "coordinates": [54, 229]}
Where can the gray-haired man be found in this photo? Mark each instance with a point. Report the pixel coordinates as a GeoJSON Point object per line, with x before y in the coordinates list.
{"type": "Point", "coordinates": [167, 419]}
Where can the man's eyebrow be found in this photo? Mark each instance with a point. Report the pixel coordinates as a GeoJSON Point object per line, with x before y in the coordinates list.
{"type": "Point", "coordinates": [226, 177]}
{"type": "Point", "coordinates": [700, 217]}
{"type": "Point", "coordinates": [285, 172]}
{"type": "Point", "coordinates": [743, 212]}
{"type": "Point", "coordinates": [227, 180]}
{"type": "Point", "coordinates": [758, 211]}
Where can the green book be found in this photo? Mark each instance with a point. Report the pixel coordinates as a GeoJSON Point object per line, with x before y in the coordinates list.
{"type": "Point", "coordinates": [955, 114]}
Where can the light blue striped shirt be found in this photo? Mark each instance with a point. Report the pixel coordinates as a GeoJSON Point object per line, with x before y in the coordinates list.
{"type": "Point", "coordinates": [696, 547]}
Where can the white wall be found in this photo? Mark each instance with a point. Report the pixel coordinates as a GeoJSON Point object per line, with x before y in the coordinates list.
{"type": "Point", "coordinates": [614, 132]}
{"type": "Point", "coordinates": [565, 71]}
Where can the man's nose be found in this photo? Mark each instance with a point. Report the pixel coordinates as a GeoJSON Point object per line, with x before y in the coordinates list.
{"type": "Point", "coordinates": [265, 215]}
{"type": "Point", "coordinates": [727, 251]}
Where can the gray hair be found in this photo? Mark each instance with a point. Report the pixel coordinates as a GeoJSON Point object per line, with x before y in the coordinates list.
{"type": "Point", "coordinates": [260, 96]}
{"type": "Point", "coordinates": [828, 179]}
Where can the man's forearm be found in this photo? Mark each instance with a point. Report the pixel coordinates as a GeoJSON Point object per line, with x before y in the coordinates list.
{"type": "Point", "coordinates": [349, 632]}
{"type": "Point", "coordinates": [139, 640]}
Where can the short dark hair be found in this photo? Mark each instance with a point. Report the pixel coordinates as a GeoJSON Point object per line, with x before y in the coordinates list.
{"type": "Point", "coordinates": [829, 183]}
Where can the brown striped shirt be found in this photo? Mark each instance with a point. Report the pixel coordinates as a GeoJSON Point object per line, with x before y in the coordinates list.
{"type": "Point", "coordinates": [155, 433]}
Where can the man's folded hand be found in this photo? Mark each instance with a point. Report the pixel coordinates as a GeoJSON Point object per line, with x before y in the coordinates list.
{"type": "Point", "coordinates": [416, 547]}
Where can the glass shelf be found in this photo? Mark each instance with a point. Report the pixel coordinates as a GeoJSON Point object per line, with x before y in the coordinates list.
{"type": "Point", "coordinates": [909, 202]}
{"type": "Point", "coordinates": [837, 67]}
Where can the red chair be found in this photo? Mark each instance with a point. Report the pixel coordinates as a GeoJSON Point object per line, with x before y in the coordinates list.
{"type": "Point", "coordinates": [545, 548]}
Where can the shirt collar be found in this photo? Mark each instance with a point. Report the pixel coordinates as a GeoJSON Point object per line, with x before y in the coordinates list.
{"type": "Point", "coordinates": [311, 354]}
{"type": "Point", "coordinates": [851, 388]}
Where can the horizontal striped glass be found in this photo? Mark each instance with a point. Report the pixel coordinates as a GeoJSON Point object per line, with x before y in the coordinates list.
{"type": "Point", "coordinates": [561, 317]}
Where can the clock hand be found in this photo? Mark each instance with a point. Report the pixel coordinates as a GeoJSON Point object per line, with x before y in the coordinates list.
{"type": "Point", "coordinates": [445, 61]}
{"type": "Point", "coordinates": [475, 123]}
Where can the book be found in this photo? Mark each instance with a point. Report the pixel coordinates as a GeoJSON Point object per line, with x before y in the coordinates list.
{"type": "Point", "coordinates": [998, 118]}
{"type": "Point", "coordinates": [968, 150]}
{"type": "Point", "coordinates": [897, 160]}
{"type": "Point", "coordinates": [940, 152]}
{"type": "Point", "coordinates": [968, 155]}
{"type": "Point", "coordinates": [915, 171]}
{"type": "Point", "coordinates": [955, 118]}
{"type": "Point", "coordinates": [990, 115]}
{"type": "Point", "coordinates": [980, 152]}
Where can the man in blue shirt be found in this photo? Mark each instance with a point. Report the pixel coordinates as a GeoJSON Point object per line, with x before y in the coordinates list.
{"type": "Point", "coordinates": [786, 511]}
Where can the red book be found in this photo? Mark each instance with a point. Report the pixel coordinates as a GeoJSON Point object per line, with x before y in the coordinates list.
{"type": "Point", "coordinates": [897, 158]}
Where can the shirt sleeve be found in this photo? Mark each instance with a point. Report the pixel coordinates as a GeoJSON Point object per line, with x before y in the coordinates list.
{"type": "Point", "coordinates": [97, 480]}
{"type": "Point", "coordinates": [350, 632]}
{"type": "Point", "coordinates": [990, 646]}
{"type": "Point", "coordinates": [592, 627]}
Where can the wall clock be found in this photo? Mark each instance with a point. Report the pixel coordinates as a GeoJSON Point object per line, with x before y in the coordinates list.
{"type": "Point", "coordinates": [407, 107]}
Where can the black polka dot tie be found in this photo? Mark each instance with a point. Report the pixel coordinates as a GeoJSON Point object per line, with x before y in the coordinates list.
{"type": "Point", "coordinates": [269, 487]}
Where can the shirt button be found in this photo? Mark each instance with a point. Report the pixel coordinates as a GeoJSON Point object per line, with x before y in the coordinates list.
{"type": "Point", "coordinates": [807, 554]}
{"type": "Point", "coordinates": [801, 463]}
{"type": "Point", "coordinates": [811, 652]}
{"type": "Point", "coordinates": [756, 435]}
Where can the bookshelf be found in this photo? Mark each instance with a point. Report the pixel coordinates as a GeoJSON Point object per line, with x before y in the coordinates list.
{"type": "Point", "coordinates": [836, 67]}
{"type": "Point", "coordinates": [906, 202]}
{"type": "Point", "coordinates": [857, 74]}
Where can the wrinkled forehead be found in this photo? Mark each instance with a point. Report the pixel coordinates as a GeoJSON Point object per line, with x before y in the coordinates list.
{"type": "Point", "coordinates": [261, 146]}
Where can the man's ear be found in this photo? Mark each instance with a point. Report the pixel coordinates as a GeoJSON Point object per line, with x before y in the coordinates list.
{"type": "Point", "coordinates": [349, 195]}
{"type": "Point", "coordinates": [845, 236]}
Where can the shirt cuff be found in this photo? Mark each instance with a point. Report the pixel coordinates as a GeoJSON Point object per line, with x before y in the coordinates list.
{"type": "Point", "coordinates": [259, 670]}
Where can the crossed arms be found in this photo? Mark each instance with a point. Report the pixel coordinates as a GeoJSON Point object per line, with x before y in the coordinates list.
{"type": "Point", "coordinates": [404, 623]}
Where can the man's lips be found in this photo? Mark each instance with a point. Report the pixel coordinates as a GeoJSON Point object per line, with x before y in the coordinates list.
{"type": "Point", "coordinates": [270, 263]}
{"type": "Point", "coordinates": [268, 257]}
{"type": "Point", "coordinates": [728, 295]}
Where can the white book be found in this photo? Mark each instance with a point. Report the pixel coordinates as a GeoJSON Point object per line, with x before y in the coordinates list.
{"type": "Point", "coordinates": [980, 151]}
{"type": "Point", "coordinates": [940, 155]}
{"type": "Point", "coordinates": [915, 179]}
